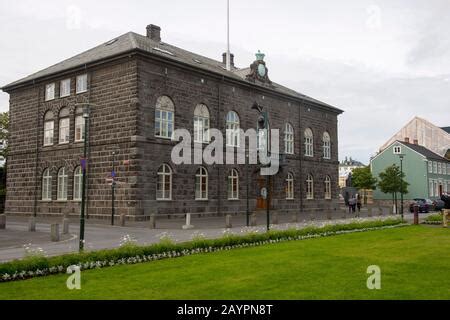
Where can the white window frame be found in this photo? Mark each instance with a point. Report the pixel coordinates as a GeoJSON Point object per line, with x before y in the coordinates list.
{"type": "Point", "coordinates": [49, 132]}
{"type": "Point", "coordinates": [397, 150]}
{"type": "Point", "coordinates": [50, 92]}
{"type": "Point", "coordinates": [439, 168]}
{"type": "Point", "coordinates": [77, 183]}
{"type": "Point", "coordinates": [64, 88]}
{"type": "Point", "coordinates": [201, 179]}
{"type": "Point", "coordinates": [64, 130]}
{"type": "Point", "coordinates": [79, 128]}
{"type": "Point", "coordinates": [233, 129]}
{"type": "Point", "coordinates": [164, 177]}
{"type": "Point", "coordinates": [290, 195]}
{"type": "Point", "coordinates": [46, 185]}
{"type": "Point", "coordinates": [233, 185]}
{"type": "Point", "coordinates": [289, 137]}
{"type": "Point", "coordinates": [82, 83]}
{"type": "Point", "coordinates": [201, 124]}
{"type": "Point", "coordinates": [444, 169]}
{"type": "Point", "coordinates": [62, 184]}
{"type": "Point", "coordinates": [328, 194]}
{"type": "Point", "coordinates": [164, 118]}
{"type": "Point", "coordinates": [326, 146]}
{"type": "Point", "coordinates": [310, 187]}
{"type": "Point", "coordinates": [430, 166]}
{"type": "Point", "coordinates": [309, 143]}
{"type": "Point", "coordinates": [431, 187]}
{"type": "Point", "coordinates": [434, 167]}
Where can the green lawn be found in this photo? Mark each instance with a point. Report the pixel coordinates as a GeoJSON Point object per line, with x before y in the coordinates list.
{"type": "Point", "coordinates": [414, 261]}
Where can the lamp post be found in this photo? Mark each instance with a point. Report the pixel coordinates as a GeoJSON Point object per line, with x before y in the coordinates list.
{"type": "Point", "coordinates": [113, 188]}
{"type": "Point", "coordinates": [247, 157]}
{"type": "Point", "coordinates": [401, 156]}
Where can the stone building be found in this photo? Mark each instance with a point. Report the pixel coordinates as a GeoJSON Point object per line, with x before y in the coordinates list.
{"type": "Point", "coordinates": [140, 89]}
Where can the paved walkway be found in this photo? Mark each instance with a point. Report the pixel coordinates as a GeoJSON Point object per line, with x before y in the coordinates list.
{"type": "Point", "coordinates": [100, 235]}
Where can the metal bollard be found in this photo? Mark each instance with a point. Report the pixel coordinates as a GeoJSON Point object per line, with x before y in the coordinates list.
{"type": "Point", "coordinates": [152, 222]}
{"type": "Point", "coordinates": [65, 226]}
{"type": "Point", "coordinates": [122, 220]}
{"type": "Point", "coordinates": [188, 225]}
{"type": "Point", "coordinates": [54, 233]}
{"type": "Point", "coordinates": [32, 224]}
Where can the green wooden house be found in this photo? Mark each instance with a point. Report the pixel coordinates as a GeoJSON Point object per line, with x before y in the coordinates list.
{"type": "Point", "coordinates": [427, 173]}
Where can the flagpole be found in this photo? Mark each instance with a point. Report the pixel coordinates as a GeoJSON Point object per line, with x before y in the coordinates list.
{"type": "Point", "coordinates": [228, 37]}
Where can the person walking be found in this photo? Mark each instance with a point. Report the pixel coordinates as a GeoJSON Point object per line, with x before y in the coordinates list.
{"type": "Point", "coordinates": [352, 205]}
{"type": "Point", "coordinates": [358, 202]}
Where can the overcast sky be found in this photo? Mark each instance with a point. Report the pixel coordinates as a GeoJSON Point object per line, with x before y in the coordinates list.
{"type": "Point", "coordinates": [383, 62]}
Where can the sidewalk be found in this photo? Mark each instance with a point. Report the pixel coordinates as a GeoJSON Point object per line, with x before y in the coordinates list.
{"type": "Point", "coordinates": [100, 235]}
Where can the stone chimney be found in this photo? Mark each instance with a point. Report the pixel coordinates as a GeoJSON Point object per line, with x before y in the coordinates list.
{"type": "Point", "coordinates": [224, 59]}
{"type": "Point", "coordinates": [416, 142]}
{"type": "Point", "coordinates": [154, 32]}
{"type": "Point", "coordinates": [407, 140]}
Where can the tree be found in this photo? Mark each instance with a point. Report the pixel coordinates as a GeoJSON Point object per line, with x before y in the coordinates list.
{"type": "Point", "coordinates": [363, 180]}
{"type": "Point", "coordinates": [4, 132]}
{"type": "Point", "coordinates": [392, 181]}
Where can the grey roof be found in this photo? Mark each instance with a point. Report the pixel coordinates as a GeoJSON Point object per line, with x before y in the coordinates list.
{"type": "Point", "coordinates": [424, 151]}
{"type": "Point", "coordinates": [446, 129]}
{"type": "Point", "coordinates": [135, 42]}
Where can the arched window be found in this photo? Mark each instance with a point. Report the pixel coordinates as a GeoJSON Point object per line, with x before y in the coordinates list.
{"type": "Point", "coordinates": [310, 187]}
{"type": "Point", "coordinates": [164, 117]}
{"type": "Point", "coordinates": [77, 183]}
{"type": "Point", "coordinates": [79, 125]}
{"type": "Point", "coordinates": [289, 139]}
{"type": "Point", "coordinates": [201, 184]}
{"type": "Point", "coordinates": [233, 185]}
{"type": "Point", "coordinates": [326, 146]}
{"type": "Point", "coordinates": [309, 143]}
{"type": "Point", "coordinates": [233, 128]}
{"type": "Point", "coordinates": [62, 184]}
{"type": "Point", "coordinates": [201, 124]}
{"type": "Point", "coordinates": [64, 126]}
{"type": "Point", "coordinates": [49, 126]}
{"type": "Point", "coordinates": [46, 185]}
{"type": "Point", "coordinates": [164, 185]}
{"type": "Point", "coordinates": [290, 187]}
{"type": "Point", "coordinates": [327, 188]}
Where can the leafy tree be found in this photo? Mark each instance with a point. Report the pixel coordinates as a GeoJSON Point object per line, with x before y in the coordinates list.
{"type": "Point", "coordinates": [4, 127]}
{"type": "Point", "coordinates": [392, 181]}
{"type": "Point", "coordinates": [364, 180]}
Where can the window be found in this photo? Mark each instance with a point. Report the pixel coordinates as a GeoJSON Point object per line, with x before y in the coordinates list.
{"type": "Point", "coordinates": [62, 184]}
{"type": "Point", "coordinates": [82, 83]}
{"type": "Point", "coordinates": [397, 150]}
{"type": "Point", "coordinates": [201, 124]}
{"type": "Point", "coordinates": [310, 187]}
{"type": "Point", "coordinates": [444, 169]}
{"type": "Point", "coordinates": [326, 146]}
{"type": "Point", "coordinates": [46, 185]}
{"type": "Point", "coordinates": [233, 185]}
{"type": "Point", "coordinates": [440, 168]}
{"type": "Point", "coordinates": [201, 184]}
{"type": "Point", "coordinates": [431, 187]}
{"type": "Point", "coordinates": [77, 184]}
{"type": "Point", "coordinates": [290, 187]}
{"type": "Point", "coordinates": [164, 117]}
{"type": "Point", "coordinates": [49, 126]}
{"type": "Point", "coordinates": [164, 186]}
{"type": "Point", "coordinates": [430, 167]}
{"type": "Point", "coordinates": [289, 139]}
{"type": "Point", "coordinates": [233, 127]}
{"type": "Point", "coordinates": [309, 143]}
{"type": "Point", "coordinates": [50, 92]}
{"type": "Point", "coordinates": [434, 167]}
{"type": "Point", "coordinates": [64, 126]}
{"type": "Point", "coordinates": [79, 125]}
{"type": "Point", "coordinates": [64, 88]}
{"type": "Point", "coordinates": [328, 188]}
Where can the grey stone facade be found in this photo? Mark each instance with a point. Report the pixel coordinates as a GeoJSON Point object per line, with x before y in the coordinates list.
{"type": "Point", "coordinates": [123, 90]}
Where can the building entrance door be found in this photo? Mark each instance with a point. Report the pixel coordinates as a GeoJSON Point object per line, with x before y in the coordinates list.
{"type": "Point", "coordinates": [261, 203]}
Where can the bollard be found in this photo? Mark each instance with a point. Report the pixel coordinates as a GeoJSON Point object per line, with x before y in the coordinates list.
{"type": "Point", "coordinates": [274, 218]}
{"type": "Point", "coordinates": [253, 220]}
{"type": "Point", "coordinates": [416, 215]}
{"type": "Point", "coordinates": [188, 225]}
{"type": "Point", "coordinates": [122, 220]}
{"type": "Point", "coordinates": [65, 226]}
{"type": "Point", "coordinates": [329, 215]}
{"type": "Point", "coordinates": [445, 215]}
{"type": "Point", "coordinates": [54, 233]}
{"type": "Point", "coordinates": [370, 212]}
{"type": "Point", "coordinates": [32, 224]}
{"type": "Point", "coordinates": [380, 211]}
{"type": "Point", "coordinates": [2, 221]}
{"type": "Point", "coordinates": [294, 218]}
{"type": "Point", "coordinates": [228, 223]}
{"type": "Point", "coordinates": [152, 222]}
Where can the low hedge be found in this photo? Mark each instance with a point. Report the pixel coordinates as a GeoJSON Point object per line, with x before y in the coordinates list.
{"type": "Point", "coordinates": [39, 265]}
{"type": "Point", "coordinates": [434, 219]}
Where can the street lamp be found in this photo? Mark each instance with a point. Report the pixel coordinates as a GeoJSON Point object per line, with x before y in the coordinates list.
{"type": "Point", "coordinates": [247, 157]}
{"type": "Point", "coordinates": [401, 156]}
{"type": "Point", "coordinates": [113, 187]}
{"type": "Point", "coordinates": [86, 114]}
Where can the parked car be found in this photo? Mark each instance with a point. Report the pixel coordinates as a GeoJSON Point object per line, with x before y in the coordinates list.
{"type": "Point", "coordinates": [423, 204]}
{"type": "Point", "coordinates": [438, 205]}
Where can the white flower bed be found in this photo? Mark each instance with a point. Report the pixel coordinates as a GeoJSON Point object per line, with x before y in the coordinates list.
{"type": "Point", "coordinates": [174, 254]}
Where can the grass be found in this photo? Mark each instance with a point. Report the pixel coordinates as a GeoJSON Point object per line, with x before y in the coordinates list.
{"type": "Point", "coordinates": [414, 262]}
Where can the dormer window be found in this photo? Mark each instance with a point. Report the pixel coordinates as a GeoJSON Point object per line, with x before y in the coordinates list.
{"type": "Point", "coordinates": [397, 150]}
